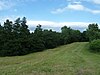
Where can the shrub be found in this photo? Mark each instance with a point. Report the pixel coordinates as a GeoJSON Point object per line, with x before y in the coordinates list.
{"type": "Point", "coordinates": [95, 45]}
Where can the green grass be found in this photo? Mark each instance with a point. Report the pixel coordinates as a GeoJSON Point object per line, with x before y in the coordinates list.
{"type": "Point", "coordinates": [72, 59]}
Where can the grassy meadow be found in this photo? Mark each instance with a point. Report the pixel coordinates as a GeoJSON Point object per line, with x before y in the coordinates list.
{"type": "Point", "coordinates": [71, 59]}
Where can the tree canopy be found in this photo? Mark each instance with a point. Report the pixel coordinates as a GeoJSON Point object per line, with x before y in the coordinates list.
{"type": "Point", "coordinates": [16, 39]}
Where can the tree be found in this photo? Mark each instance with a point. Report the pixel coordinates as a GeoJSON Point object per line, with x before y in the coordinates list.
{"type": "Point", "coordinates": [16, 26]}
{"type": "Point", "coordinates": [24, 31]}
{"type": "Point", "coordinates": [51, 39]}
{"type": "Point", "coordinates": [66, 34]}
{"type": "Point", "coordinates": [84, 37]}
{"type": "Point", "coordinates": [38, 39]}
{"type": "Point", "coordinates": [93, 32]}
{"type": "Point", "coordinates": [75, 36]}
{"type": "Point", "coordinates": [1, 37]}
{"type": "Point", "coordinates": [8, 26]}
{"type": "Point", "coordinates": [95, 45]}
{"type": "Point", "coordinates": [15, 38]}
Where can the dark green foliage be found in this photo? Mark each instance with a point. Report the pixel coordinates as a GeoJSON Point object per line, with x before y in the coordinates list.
{"type": "Point", "coordinates": [66, 34]}
{"type": "Point", "coordinates": [51, 38]}
{"type": "Point", "coordinates": [16, 39]}
{"type": "Point", "coordinates": [95, 45]}
{"type": "Point", "coordinates": [1, 36]}
{"type": "Point", "coordinates": [93, 32]}
{"type": "Point", "coordinates": [69, 35]}
{"type": "Point", "coordinates": [38, 39]}
{"type": "Point", "coordinates": [84, 37]}
{"type": "Point", "coordinates": [75, 36]}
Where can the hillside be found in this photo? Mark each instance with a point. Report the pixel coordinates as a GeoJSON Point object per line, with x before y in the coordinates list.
{"type": "Point", "coordinates": [71, 59]}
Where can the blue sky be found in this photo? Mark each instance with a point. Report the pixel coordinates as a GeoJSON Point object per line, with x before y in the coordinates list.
{"type": "Point", "coordinates": [52, 13]}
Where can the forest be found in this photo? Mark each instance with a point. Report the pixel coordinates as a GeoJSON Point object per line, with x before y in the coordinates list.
{"type": "Point", "coordinates": [16, 39]}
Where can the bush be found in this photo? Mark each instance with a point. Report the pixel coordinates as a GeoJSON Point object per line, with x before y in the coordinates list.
{"type": "Point", "coordinates": [95, 45]}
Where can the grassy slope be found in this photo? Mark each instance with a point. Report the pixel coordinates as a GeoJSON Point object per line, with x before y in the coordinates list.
{"type": "Point", "coordinates": [72, 59]}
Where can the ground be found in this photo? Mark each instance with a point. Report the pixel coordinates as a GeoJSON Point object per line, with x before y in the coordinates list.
{"type": "Point", "coordinates": [71, 59]}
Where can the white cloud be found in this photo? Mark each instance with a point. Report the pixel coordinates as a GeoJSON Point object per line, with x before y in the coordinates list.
{"type": "Point", "coordinates": [77, 2]}
{"type": "Point", "coordinates": [4, 4]}
{"type": "Point", "coordinates": [96, 1]}
{"type": "Point", "coordinates": [44, 23]}
{"type": "Point", "coordinates": [93, 11]}
{"type": "Point", "coordinates": [58, 24]}
{"type": "Point", "coordinates": [76, 7]}
{"type": "Point", "coordinates": [80, 1]}
{"type": "Point", "coordinates": [51, 24]}
{"type": "Point", "coordinates": [59, 10]}
{"type": "Point", "coordinates": [7, 4]}
{"type": "Point", "coordinates": [96, 11]}
{"type": "Point", "coordinates": [10, 17]}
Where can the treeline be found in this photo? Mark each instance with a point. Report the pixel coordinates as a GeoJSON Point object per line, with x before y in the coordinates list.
{"type": "Point", "coordinates": [16, 39]}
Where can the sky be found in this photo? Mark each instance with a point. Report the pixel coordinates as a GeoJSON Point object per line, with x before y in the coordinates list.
{"type": "Point", "coordinates": [52, 14]}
